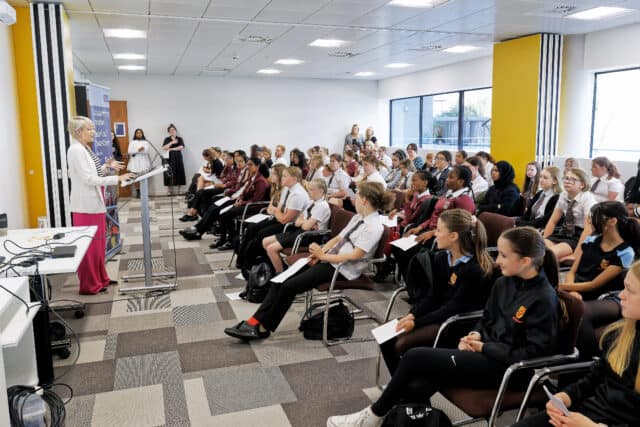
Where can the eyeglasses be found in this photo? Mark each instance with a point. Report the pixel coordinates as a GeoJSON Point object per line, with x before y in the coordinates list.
{"type": "Point", "coordinates": [440, 158]}
{"type": "Point", "coordinates": [569, 179]}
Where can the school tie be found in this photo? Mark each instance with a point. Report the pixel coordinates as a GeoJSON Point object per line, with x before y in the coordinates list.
{"type": "Point", "coordinates": [284, 202]}
{"type": "Point", "coordinates": [569, 218]}
{"type": "Point", "coordinates": [537, 204]}
{"type": "Point", "coordinates": [346, 238]}
{"type": "Point", "coordinates": [309, 210]}
{"type": "Point", "coordinates": [595, 185]}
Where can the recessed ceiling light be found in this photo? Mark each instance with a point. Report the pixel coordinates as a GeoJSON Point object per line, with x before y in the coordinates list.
{"type": "Point", "coordinates": [131, 56]}
{"type": "Point", "coordinates": [415, 3]}
{"type": "Point", "coordinates": [599, 13]}
{"type": "Point", "coordinates": [328, 43]}
{"type": "Point", "coordinates": [364, 74]}
{"type": "Point", "coordinates": [131, 67]}
{"type": "Point", "coordinates": [125, 33]}
{"type": "Point", "coordinates": [460, 49]}
{"type": "Point", "coordinates": [289, 61]}
{"type": "Point", "coordinates": [398, 65]}
{"type": "Point", "coordinates": [268, 71]}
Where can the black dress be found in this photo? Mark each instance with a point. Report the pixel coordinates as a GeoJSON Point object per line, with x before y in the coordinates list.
{"type": "Point", "coordinates": [175, 175]}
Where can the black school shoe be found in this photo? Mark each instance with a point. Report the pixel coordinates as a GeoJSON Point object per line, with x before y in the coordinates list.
{"type": "Point", "coordinates": [246, 332]}
{"type": "Point", "coordinates": [190, 234]}
{"type": "Point", "coordinates": [187, 218]}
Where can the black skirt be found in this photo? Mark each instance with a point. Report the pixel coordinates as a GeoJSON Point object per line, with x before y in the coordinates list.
{"type": "Point", "coordinates": [287, 239]}
{"type": "Point", "coordinates": [175, 174]}
{"type": "Point", "coordinates": [561, 235]}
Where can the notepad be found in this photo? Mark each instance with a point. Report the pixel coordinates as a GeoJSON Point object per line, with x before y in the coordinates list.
{"type": "Point", "coordinates": [559, 404]}
{"type": "Point", "coordinates": [257, 218]}
{"type": "Point", "coordinates": [222, 201]}
{"type": "Point", "coordinates": [405, 243]}
{"type": "Point", "coordinates": [289, 272]}
{"type": "Point", "coordinates": [384, 333]}
{"type": "Point", "coordinates": [389, 222]}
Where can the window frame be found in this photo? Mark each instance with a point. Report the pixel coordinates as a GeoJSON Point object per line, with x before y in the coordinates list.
{"type": "Point", "coordinates": [595, 98]}
{"type": "Point", "coordinates": [460, 93]}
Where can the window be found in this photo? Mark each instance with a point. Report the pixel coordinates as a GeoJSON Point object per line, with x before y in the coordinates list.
{"type": "Point", "coordinates": [405, 121]}
{"type": "Point", "coordinates": [447, 121]}
{"type": "Point", "coordinates": [615, 115]}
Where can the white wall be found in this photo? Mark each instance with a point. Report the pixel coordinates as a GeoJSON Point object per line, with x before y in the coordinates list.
{"type": "Point", "coordinates": [463, 75]}
{"type": "Point", "coordinates": [12, 196]}
{"type": "Point", "coordinates": [611, 49]}
{"type": "Point", "coordinates": [236, 112]}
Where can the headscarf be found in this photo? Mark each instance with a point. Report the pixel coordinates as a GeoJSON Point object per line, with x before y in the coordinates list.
{"type": "Point", "coordinates": [507, 174]}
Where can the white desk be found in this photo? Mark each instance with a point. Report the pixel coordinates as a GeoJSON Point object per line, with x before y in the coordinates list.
{"type": "Point", "coordinates": [17, 357]}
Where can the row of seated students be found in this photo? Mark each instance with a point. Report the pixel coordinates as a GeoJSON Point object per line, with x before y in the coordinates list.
{"type": "Point", "coordinates": [354, 245]}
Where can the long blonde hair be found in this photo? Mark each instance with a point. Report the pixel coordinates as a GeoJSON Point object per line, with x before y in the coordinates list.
{"type": "Point", "coordinates": [619, 354]}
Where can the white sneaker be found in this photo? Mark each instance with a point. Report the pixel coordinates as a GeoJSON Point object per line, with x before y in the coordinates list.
{"type": "Point", "coordinates": [364, 418]}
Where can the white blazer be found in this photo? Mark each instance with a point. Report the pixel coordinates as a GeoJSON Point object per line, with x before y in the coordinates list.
{"type": "Point", "coordinates": [86, 195]}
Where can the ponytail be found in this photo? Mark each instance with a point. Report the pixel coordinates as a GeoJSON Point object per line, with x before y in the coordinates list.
{"type": "Point", "coordinates": [551, 268]}
{"type": "Point", "coordinates": [479, 234]}
{"type": "Point", "coordinates": [472, 236]}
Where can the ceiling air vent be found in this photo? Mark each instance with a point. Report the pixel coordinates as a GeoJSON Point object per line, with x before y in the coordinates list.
{"type": "Point", "coordinates": [216, 70]}
{"type": "Point", "coordinates": [427, 48]}
{"type": "Point", "coordinates": [256, 39]}
{"type": "Point", "coordinates": [557, 11]}
{"type": "Point", "coordinates": [340, 54]}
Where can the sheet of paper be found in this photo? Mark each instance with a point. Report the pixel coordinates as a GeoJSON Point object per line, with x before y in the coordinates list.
{"type": "Point", "coordinates": [233, 296]}
{"type": "Point", "coordinates": [293, 269]}
{"type": "Point", "coordinates": [222, 201]}
{"type": "Point", "coordinates": [257, 218]}
{"type": "Point", "coordinates": [388, 221]}
{"type": "Point", "coordinates": [223, 210]}
{"type": "Point", "coordinates": [555, 401]}
{"type": "Point", "coordinates": [384, 333]}
{"type": "Point", "coordinates": [405, 243]}
{"type": "Point", "coordinates": [239, 276]}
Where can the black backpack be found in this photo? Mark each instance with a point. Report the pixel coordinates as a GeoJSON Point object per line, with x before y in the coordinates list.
{"type": "Point", "coordinates": [416, 415]}
{"type": "Point", "coordinates": [419, 280]}
{"type": "Point", "coordinates": [258, 282]}
{"type": "Point", "coordinates": [340, 323]}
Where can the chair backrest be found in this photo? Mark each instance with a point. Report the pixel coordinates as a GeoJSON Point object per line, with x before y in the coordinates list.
{"type": "Point", "coordinates": [569, 330]}
{"type": "Point", "coordinates": [399, 200]}
{"type": "Point", "coordinates": [495, 224]}
{"type": "Point", "coordinates": [386, 234]}
{"type": "Point", "coordinates": [339, 219]}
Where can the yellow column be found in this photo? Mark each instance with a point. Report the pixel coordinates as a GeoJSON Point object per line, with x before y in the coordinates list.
{"type": "Point", "coordinates": [28, 110]}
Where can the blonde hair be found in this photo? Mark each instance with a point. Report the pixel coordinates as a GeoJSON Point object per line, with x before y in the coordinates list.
{"type": "Point", "coordinates": [321, 184]}
{"type": "Point", "coordinates": [295, 172]}
{"type": "Point", "coordinates": [582, 176]}
{"type": "Point", "coordinates": [76, 123]}
{"type": "Point", "coordinates": [276, 188]}
{"type": "Point", "coordinates": [619, 354]}
{"type": "Point", "coordinates": [319, 159]}
{"type": "Point", "coordinates": [554, 171]}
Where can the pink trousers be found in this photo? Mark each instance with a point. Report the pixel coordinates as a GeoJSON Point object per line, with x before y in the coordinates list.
{"type": "Point", "coordinates": [92, 272]}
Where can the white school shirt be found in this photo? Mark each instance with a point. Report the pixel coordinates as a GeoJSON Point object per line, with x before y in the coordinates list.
{"type": "Point", "coordinates": [365, 237]}
{"type": "Point", "coordinates": [607, 184]}
{"type": "Point", "coordinates": [340, 181]}
{"type": "Point", "coordinates": [281, 161]}
{"type": "Point", "coordinates": [581, 209]}
{"type": "Point", "coordinates": [376, 177]}
{"type": "Point", "coordinates": [315, 174]}
{"type": "Point", "coordinates": [479, 185]}
{"type": "Point", "coordinates": [298, 198]}
{"type": "Point", "coordinates": [320, 211]}
{"type": "Point", "coordinates": [138, 161]}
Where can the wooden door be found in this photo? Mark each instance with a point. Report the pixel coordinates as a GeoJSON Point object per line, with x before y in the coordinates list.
{"type": "Point", "coordinates": [118, 111]}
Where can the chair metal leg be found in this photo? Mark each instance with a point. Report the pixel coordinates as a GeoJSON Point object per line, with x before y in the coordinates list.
{"type": "Point", "coordinates": [392, 301]}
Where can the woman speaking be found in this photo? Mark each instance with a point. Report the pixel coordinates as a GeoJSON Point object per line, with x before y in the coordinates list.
{"type": "Point", "coordinates": [87, 206]}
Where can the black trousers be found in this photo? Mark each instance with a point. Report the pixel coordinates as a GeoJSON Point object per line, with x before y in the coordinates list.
{"type": "Point", "coordinates": [281, 295]}
{"type": "Point", "coordinates": [210, 216]}
{"type": "Point", "coordinates": [251, 245]}
{"type": "Point", "coordinates": [403, 257]}
{"type": "Point", "coordinates": [393, 350]}
{"type": "Point", "coordinates": [541, 419]}
{"type": "Point", "coordinates": [434, 368]}
{"type": "Point", "coordinates": [228, 223]}
{"type": "Point", "coordinates": [193, 187]}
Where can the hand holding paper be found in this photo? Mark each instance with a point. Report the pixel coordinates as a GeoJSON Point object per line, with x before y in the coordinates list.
{"type": "Point", "coordinates": [384, 333]}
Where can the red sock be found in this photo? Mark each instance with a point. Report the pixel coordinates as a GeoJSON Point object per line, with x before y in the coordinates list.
{"type": "Point", "coordinates": [253, 321]}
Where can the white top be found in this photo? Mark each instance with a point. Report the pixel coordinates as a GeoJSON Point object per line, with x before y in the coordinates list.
{"type": "Point", "coordinates": [281, 161]}
{"type": "Point", "coordinates": [376, 177]}
{"type": "Point", "coordinates": [139, 160]}
{"type": "Point", "coordinates": [365, 237]}
{"type": "Point", "coordinates": [86, 196]}
{"type": "Point", "coordinates": [337, 181]}
{"type": "Point", "coordinates": [386, 160]}
{"type": "Point", "coordinates": [315, 174]}
{"type": "Point", "coordinates": [605, 185]}
{"type": "Point", "coordinates": [582, 208]}
{"type": "Point", "coordinates": [298, 198]}
{"type": "Point", "coordinates": [479, 185]}
{"type": "Point", "coordinates": [487, 170]}
{"type": "Point", "coordinates": [320, 211]}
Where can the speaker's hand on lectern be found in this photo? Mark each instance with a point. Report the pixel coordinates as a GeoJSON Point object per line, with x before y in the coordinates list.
{"type": "Point", "coordinates": [126, 177]}
{"type": "Point", "coordinates": [114, 164]}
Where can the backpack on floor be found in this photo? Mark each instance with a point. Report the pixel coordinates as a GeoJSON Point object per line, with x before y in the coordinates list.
{"type": "Point", "coordinates": [340, 323]}
{"type": "Point", "coordinates": [416, 415]}
{"type": "Point", "coordinates": [259, 282]}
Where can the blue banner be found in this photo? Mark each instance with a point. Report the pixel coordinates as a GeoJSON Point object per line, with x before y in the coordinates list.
{"type": "Point", "coordinates": [99, 112]}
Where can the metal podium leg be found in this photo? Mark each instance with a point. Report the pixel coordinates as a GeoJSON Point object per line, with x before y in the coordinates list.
{"type": "Point", "coordinates": [146, 244]}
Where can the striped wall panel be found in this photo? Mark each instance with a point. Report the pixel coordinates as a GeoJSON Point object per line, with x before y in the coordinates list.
{"type": "Point", "coordinates": [53, 106]}
{"type": "Point", "coordinates": [548, 97]}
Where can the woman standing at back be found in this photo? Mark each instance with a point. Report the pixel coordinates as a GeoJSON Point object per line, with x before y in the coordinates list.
{"type": "Point", "coordinates": [173, 146]}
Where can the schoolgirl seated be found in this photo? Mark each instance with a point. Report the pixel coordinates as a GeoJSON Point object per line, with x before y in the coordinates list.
{"type": "Point", "coordinates": [610, 393]}
{"type": "Point", "coordinates": [573, 207]}
{"type": "Point", "coordinates": [203, 201]}
{"type": "Point", "coordinates": [315, 217]}
{"type": "Point", "coordinates": [479, 184]}
{"type": "Point", "coordinates": [393, 177]}
{"type": "Point", "coordinates": [462, 273]}
{"type": "Point", "coordinates": [459, 195]}
{"type": "Point", "coordinates": [370, 173]}
{"type": "Point", "coordinates": [412, 154]}
{"type": "Point", "coordinates": [294, 200]}
{"type": "Point", "coordinates": [407, 169]}
{"type": "Point", "coordinates": [531, 182]}
{"type": "Point", "coordinates": [356, 243]}
{"type": "Point", "coordinates": [413, 209]}
{"type": "Point", "coordinates": [443, 166]}
{"type": "Point", "coordinates": [336, 178]}
{"type": "Point", "coordinates": [503, 197]}
{"type": "Point", "coordinates": [598, 269]}
{"type": "Point", "coordinates": [541, 205]}
{"type": "Point", "coordinates": [300, 161]}
{"type": "Point", "coordinates": [195, 179]}
{"type": "Point", "coordinates": [521, 321]}
{"type": "Point", "coordinates": [488, 162]}
{"type": "Point", "coordinates": [255, 189]}
{"type": "Point", "coordinates": [227, 223]}
{"type": "Point", "coordinates": [351, 166]}
{"type": "Point", "coordinates": [316, 165]}
{"type": "Point", "coordinates": [632, 194]}
{"type": "Point", "coordinates": [211, 171]}
{"type": "Point", "coordinates": [605, 181]}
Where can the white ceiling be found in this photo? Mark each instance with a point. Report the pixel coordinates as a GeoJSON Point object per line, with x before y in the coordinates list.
{"type": "Point", "coordinates": [205, 37]}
